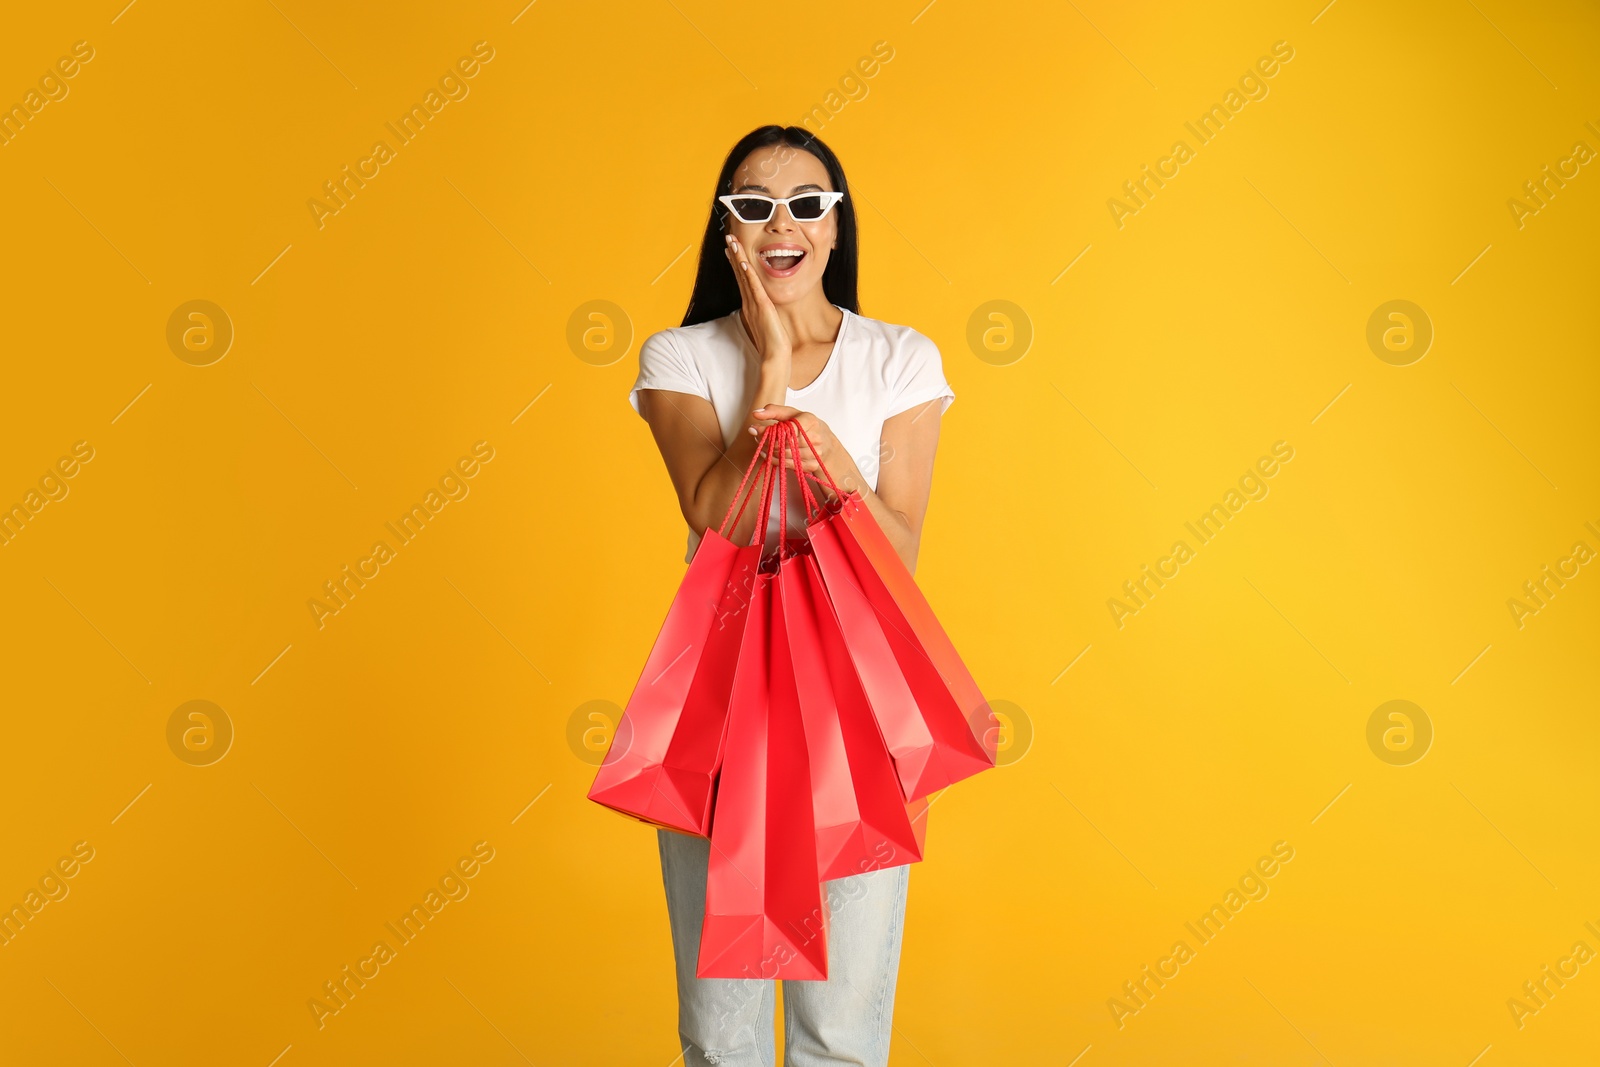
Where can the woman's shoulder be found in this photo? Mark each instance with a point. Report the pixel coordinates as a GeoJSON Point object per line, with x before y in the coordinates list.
{"type": "Point", "coordinates": [907, 367]}
{"type": "Point", "coordinates": [702, 359]}
{"type": "Point", "coordinates": [902, 341]}
{"type": "Point", "coordinates": [703, 337]}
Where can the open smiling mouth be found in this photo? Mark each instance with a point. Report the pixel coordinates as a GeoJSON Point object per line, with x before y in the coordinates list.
{"type": "Point", "coordinates": [782, 262]}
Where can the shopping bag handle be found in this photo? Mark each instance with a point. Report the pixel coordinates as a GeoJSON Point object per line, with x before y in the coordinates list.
{"type": "Point", "coordinates": [808, 499]}
{"type": "Point", "coordinates": [813, 506]}
{"type": "Point", "coordinates": [779, 439]}
{"type": "Point", "coordinates": [762, 486]}
{"type": "Point", "coordinates": [737, 493]}
{"type": "Point", "coordinates": [789, 434]}
{"type": "Point", "coordinates": [783, 441]}
{"type": "Point", "coordinates": [809, 503]}
{"type": "Point", "coordinates": [787, 441]}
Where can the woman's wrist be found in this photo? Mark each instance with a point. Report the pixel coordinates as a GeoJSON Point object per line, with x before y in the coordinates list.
{"type": "Point", "coordinates": [843, 472]}
{"type": "Point", "coordinates": [849, 477]}
{"type": "Point", "coordinates": [773, 385]}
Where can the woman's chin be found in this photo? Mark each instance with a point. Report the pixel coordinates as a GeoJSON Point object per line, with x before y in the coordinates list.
{"type": "Point", "coordinates": [788, 290]}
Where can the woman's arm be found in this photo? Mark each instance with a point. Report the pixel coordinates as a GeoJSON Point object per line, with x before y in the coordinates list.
{"type": "Point", "coordinates": [905, 477]}
{"type": "Point", "coordinates": [704, 473]}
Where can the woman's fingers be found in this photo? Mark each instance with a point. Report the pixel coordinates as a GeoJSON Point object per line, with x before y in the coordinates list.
{"type": "Point", "coordinates": [756, 307]}
{"type": "Point", "coordinates": [808, 461]}
{"type": "Point", "coordinates": [739, 273]}
{"type": "Point", "coordinates": [745, 271]}
{"type": "Point", "coordinates": [769, 416]}
{"type": "Point", "coordinates": [759, 314]}
{"type": "Point", "coordinates": [738, 251]}
{"type": "Point", "coordinates": [820, 437]}
{"type": "Point", "coordinates": [812, 434]}
{"type": "Point", "coordinates": [756, 293]}
{"type": "Point", "coordinates": [807, 464]}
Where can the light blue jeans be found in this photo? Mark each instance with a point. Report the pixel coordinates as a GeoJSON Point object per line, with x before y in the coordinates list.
{"type": "Point", "coordinates": [728, 1022]}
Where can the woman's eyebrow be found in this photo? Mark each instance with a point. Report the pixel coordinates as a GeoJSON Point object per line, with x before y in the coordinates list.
{"type": "Point", "coordinates": [763, 189]}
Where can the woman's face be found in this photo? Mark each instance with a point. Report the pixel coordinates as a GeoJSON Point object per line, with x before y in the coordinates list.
{"type": "Point", "coordinates": [781, 171]}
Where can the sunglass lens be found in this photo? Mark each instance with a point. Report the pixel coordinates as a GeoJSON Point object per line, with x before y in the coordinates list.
{"type": "Point", "coordinates": [750, 209]}
{"type": "Point", "coordinates": [807, 208]}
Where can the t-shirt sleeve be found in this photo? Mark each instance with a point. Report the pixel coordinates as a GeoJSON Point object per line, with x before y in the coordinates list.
{"type": "Point", "coordinates": [663, 365]}
{"type": "Point", "coordinates": [918, 376]}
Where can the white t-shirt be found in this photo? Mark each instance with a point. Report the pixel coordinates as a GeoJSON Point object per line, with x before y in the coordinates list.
{"type": "Point", "coordinates": [876, 371]}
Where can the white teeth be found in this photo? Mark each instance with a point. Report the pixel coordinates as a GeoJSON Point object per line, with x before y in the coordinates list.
{"type": "Point", "coordinates": [774, 253]}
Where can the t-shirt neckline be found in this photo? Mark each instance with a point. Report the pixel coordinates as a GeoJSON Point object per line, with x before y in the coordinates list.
{"type": "Point", "coordinates": [827, 368]}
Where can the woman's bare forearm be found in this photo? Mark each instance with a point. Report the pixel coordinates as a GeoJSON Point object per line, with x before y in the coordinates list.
{"type": "Point", "coordinates": [906, 542]}
{"type": "Point", "coordinates": [717, 486]}
{"type": "Point", "coordinates": [902, 538]}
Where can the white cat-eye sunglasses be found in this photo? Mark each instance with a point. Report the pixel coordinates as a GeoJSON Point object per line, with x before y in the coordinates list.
{"type": "Point", "coordinates": [803, 207]}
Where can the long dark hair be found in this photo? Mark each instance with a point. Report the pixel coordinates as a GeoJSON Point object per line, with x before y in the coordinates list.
{"type": "Point", "coordinates": [716, 290]}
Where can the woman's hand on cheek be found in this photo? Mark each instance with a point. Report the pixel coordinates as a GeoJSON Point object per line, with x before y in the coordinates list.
{"type": "Point", "coordinates": [756, 309]}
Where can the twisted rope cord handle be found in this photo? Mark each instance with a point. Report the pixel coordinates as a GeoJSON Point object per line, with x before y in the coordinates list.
{"type": "Point", "coordinates": [725, 529]}
{"type": "Point", "coordinates": [820, 465]}
{"type": "Point", "coordinates": [785, 441]}
{"type": "Point", "coordinates": [758, 536]}
{"type": "Point", "coordinates": [809, 501]}
{"type": "Point", "coordinates": [779, 439]}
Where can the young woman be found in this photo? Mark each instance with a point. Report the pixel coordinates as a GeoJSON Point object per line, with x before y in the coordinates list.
{"type": "Point", "coordinates": [774, 332]}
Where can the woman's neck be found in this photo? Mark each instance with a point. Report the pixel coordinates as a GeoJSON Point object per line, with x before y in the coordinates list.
{"type": "Point", "coordinates": [813, 321]}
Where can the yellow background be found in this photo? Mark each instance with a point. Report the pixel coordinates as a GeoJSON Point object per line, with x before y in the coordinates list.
{"type": "Point", "coordinates": [426, 715]}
